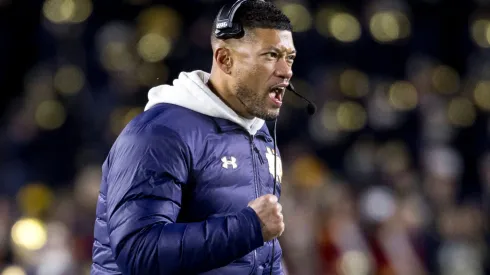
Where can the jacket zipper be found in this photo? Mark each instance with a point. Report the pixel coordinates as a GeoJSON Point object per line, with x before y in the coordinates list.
{"type": "Point", "coordinates": [254, 151]}
{"type": "Point", "coordinates": [258, 153]}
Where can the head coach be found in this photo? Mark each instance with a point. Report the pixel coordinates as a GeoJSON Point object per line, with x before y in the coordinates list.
{"type": "Point", "coordinates": [189, 185]}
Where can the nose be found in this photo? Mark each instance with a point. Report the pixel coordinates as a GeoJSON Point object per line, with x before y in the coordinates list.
{"type": "Point", "coordinates": [283, 69]}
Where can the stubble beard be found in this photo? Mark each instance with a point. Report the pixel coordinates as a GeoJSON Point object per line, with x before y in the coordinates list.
{"type": "Point", "coordinates": [255, 103]}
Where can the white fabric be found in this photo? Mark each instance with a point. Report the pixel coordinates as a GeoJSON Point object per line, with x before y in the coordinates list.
{"type": "Point", "coordinates": [190, 91]}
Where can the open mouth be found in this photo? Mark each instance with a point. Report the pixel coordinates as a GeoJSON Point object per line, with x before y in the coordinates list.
{"type": "Point", "coordinates": [276, 95]}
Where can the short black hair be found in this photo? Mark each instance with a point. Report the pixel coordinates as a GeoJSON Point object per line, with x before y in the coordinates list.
{"type": "Point", "coordinates": [254, 14]}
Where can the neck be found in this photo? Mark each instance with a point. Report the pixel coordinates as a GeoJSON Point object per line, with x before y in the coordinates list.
{"type": "Point", "coordinates": [222, 89]}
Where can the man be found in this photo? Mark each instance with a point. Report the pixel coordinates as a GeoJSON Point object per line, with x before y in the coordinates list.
{"type": "Point", "coordinates": [187, 186]}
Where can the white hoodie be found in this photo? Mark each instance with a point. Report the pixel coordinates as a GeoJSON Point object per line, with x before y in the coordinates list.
{"type": "Point", "coordinates": [189, 90]}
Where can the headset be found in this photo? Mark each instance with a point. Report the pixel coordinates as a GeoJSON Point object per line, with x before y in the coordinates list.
{"type": "Point", "coordinates": [227, 28]}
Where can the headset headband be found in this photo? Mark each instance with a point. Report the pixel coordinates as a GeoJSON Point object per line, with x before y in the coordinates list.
{"type": "Point", "coordinates": [225, 27]}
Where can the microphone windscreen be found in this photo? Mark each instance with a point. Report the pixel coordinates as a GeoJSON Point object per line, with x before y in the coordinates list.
{"type": "Point", "coordinates": [311, 109]}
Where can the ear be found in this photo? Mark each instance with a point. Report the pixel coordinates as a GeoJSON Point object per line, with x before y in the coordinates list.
{"type": "Point", "coordinates": [224, 60]}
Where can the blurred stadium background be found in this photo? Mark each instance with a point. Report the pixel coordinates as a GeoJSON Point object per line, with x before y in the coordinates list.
{"type": "Point", "coordinates": [391, 176]}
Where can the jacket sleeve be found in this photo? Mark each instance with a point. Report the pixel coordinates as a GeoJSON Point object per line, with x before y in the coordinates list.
{"type": "Point", "coordinates": [278, 268]}
{"type": "Point", "coordinates": [145, 180]}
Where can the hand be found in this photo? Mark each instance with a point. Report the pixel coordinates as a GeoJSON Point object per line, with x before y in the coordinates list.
{"type": "Point", "coordinates": [269, 211]}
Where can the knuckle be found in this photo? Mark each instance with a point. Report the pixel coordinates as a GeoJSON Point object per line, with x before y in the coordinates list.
{"type": "Point", "coordinates": [273, 199]}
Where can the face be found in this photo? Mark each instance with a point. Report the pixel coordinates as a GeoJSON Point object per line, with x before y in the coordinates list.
{"type": "Point", "coordinates": [262, 68]}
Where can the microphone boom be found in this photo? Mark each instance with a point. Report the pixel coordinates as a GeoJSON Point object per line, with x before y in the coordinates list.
{"type": "Point", "coordinates": [311, 108]}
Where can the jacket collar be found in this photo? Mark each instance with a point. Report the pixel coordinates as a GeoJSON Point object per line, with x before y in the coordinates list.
{"type": "Point", "coordinates": [225, 125]}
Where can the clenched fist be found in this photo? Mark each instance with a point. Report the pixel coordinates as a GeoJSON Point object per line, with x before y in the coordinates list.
{"type": "Point", "coordinates": [269, 211]}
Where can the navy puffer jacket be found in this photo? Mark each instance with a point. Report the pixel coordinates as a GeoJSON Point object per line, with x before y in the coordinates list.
{"type": "Point", "coordinates": [175, 189]}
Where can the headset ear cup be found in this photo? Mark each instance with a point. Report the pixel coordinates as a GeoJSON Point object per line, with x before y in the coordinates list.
{"type": "Point", "coordinates": [225, 27]}
{"type": "Point", "coordinates": [236, 31]}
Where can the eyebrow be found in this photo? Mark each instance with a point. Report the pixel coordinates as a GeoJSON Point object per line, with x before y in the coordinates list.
{"type": "Point", "coordinates": [279, 50]}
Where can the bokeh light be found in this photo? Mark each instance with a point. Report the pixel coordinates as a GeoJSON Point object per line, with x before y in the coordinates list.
{"type": "Point", "coordinates": [13, 270]}
{"type": "Point", "coordinates": [403, 95]}
{"type": "Point", "coordinates": [69, 80]}
{"type": "Point", "coordinates": [377, 204]}
{"type": "Point", "coordinates": [87, 184]}
{"type": "Point", "coordinates": [50, 115]}
{"type": "Point", "coordinates": [29, 233]}
{"type": "Point", "coordinates": [445, 80]}
{"type": "Point", "coordinates": [67, 11]}
{"type": "Point", "coordinates": [393, 157]}
{"type": "Point", "coordinates": [329, 116]}
{"type": "Point", "coordinates": [308, 171]}
{"type": "Point", "coordinates": [481, 95]}
{"type": "Point", "coordinates": [342, 26]}
{"type": "Point", "coordinates": [480, 32]}
{"type": "Point", "coordinates": [324, 127]}
{"type": "Point", "coordinates": [116, 56]}
{"type": "Point", "coordinates": [299, 15]}
{"type": "Point", "coordinates": [461, 112]}
{"type": "Point", "coordinates": [35, 199]}
{"type": "Point", "coordinates": [161, 20]}
{"type": "Point", "coordinates": [321, 21]}
{"type": "Point", "coordinates": [153, 47]}
{"type": "Point", "coordinates": [389, 26]}
{"type": "Point", "coordinates": [354, 263]}
{"type": "Point", "coordinates": [354, 83]}
{"type": "Point", "coordinates": [351, 116]}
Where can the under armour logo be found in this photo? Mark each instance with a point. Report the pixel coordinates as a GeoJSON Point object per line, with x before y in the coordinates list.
{"type": "Point", "coordinates": [227, 162]}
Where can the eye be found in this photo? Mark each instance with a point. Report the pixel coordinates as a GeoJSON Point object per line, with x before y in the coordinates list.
{"type": "Point", "coordinates": [272, 55]}
{"type": "Point", "coordinates": [291, 57]}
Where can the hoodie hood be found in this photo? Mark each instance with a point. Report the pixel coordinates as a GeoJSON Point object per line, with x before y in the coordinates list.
{"type": "Point", "coordinates": [190, 91]}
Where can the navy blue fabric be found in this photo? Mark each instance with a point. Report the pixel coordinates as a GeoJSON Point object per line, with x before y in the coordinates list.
{"type": "Point", "coordinates": [170, 204]}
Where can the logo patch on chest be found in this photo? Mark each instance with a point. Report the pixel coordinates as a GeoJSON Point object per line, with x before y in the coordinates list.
{"type": "Point", "coordinates": [270, 154]}
{"type": "Point", "coordinates": [229, 163]}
